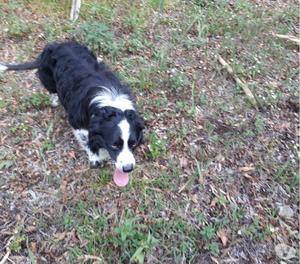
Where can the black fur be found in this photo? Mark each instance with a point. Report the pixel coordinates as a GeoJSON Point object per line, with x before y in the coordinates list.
{"type": "Point", "coordinates": [72, 71]}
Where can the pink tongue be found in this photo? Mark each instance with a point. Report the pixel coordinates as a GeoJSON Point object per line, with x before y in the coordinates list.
{"type": "Point", "coordinates": [120, 178]}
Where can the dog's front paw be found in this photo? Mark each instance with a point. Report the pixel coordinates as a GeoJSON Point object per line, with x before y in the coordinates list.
{"type": "Point", "coordinates": [54, 101]}
{"type": "Point", "coordinates": [97, 164]}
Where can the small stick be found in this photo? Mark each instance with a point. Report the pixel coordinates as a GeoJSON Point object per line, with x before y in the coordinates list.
{"type": "Point", "coordinates": [85, 258]}
{"type": "Point", "coordinates": [290, 38]}
{"type": "Point", "coordinates": [8, 250]}
{"type": "Point", "coordinates": [240, 82]}
{"type": "Point", "coordinates": [75, 9]}
{"type": "Point", "coordinates": [4, 259]}
{"type": "Point", "coordinates": [184, 186]}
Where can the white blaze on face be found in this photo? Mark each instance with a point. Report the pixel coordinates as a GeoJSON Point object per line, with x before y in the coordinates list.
{"type": "Point", "coordinates": [125, 157]}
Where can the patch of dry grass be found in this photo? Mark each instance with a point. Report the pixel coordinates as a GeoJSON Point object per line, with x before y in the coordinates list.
{"type": "Point", "coordinates": [213, 174]}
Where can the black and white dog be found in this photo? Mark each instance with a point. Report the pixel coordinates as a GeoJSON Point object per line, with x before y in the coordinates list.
{"type": "Point", "coordinates": [100, 108]}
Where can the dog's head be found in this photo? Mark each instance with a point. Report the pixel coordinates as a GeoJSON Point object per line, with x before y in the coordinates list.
{"type": "Point", "coordinates": [118, 132]}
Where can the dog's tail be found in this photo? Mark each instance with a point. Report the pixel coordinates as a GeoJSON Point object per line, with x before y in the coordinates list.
{"type": "Point", "coordinates": [20, 67]}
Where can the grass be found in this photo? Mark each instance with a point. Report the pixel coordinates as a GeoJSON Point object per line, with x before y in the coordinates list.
{"type": "Point", "coordinates": [97, 36]}
{"type": "Point", "coordinates": [39, 100]}
{"type": "Point", "coordinates": [211, 168]}
{"type": "Point", "coordinates": [18, 28]}
{"type": "Point", "coordinates": [129, 236]}
{"type": "Point", "coordinates": [157, 146]}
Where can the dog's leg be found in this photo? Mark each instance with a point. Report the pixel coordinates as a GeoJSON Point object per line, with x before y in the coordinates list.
{"type": "Point", "coordinates": [54, 101]}
{"type": "Point", "coordinates": [103, 154]}
{"type": "Point", "coordinates": [94, 159]}
{"type": "Point", "coordinates": [82, 137]}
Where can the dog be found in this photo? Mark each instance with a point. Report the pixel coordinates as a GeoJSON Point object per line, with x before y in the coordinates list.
{"type": "Point", "coordinates": [100, 109]}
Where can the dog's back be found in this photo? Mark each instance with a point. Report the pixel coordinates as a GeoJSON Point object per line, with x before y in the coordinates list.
{"type": "Point", "coordinates": [60, 60]}
{"type": "Point", "coordinates": [100, 108]}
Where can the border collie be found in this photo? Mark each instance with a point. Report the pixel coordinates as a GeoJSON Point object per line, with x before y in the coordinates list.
{"type": "Point", "coordinates": [100, 109]}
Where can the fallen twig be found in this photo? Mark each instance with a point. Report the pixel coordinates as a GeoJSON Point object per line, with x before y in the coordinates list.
{"type": "Point", "coordinates": [85, 258]}
{"type": "Point", "coordinates": [75, 9]}
{"type": "Point", "coordinates": [184, 186]}
{"type": "Point", "coordinates": [5, 257]}
{"type": "Point", "coordinates": [8, 251]}
{"type": "Point", "coordinates": [240, 82]}
{"type": "Point", "coordinates": [290, 38]}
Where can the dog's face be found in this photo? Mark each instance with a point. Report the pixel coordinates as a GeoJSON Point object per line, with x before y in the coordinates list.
{"type": "Point", "coordinates": [119, 133]}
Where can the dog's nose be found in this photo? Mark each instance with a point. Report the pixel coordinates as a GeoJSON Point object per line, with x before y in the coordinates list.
{"type": "Point", "coordinates": [127, 168]}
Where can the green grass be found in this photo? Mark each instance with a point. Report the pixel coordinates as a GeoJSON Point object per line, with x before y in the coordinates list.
{"type": "Point", "coordinates": [134, 21]}
{"type": "Point", "coordinates": [2, 104]}
{"type": "Point", "coordinates": [136, 237]}
{"type": "Point", "coordinates": [97, 36]}
{"type": "Point", "coordinates": [157, 146]}
{"type": "Point", "coordinates": [39, 100]}
{"type": "Point", "coordinates": [256, 230]}
{"type": "Point", "coordinates": [20, 129]}
{"type": "Point", "coordinates": [259, 124]}
{"type": "Point", "coordinates": [130, 236]}
{"type": "Point", "coordinates": [18, 28]}
{"type": "Point", "coordinates": [104, 11]}
{"type": "Point", "coordinates": [244, 28]}
{"type": "Point", "coordinates": [104, 177]}
{"type": "Point", "coordinates": [209, 159]}
{"type": "Point", "coordinates": [18, 239]}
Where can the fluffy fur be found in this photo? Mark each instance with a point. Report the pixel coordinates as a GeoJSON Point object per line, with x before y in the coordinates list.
{"type": "Point", "coordinates": [100, 109]}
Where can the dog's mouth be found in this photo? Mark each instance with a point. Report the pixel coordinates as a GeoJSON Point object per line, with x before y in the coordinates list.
{"type": "Point", "coordinates": [120, 178]}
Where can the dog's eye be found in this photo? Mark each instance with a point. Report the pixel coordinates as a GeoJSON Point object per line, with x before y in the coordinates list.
{"type": "Point", "coordinates": [117, 145]}
{"type": "Point", "coordinates": [132, 144]}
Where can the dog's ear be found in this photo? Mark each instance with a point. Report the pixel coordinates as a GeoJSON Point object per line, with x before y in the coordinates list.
{"type": "Point", "coordinates": [140, 126]}
{"type": "Point", "coordinates": [105, 113]}
{"type": "Point", "coordinates": [138, 122]}
{"type": "Point", "coordinates": [77, 115]}
{"type": "Point", "coordinates": [132, 116]}
{"type": "Point", "coordinates": [95, 142]}
{"type": "Point", "coordinates": [100, 119]}
{"type": "Point", "coordinates": [108, 112]}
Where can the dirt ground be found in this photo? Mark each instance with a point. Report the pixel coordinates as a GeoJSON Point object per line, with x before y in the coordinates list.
{"type": "Point", "coordinates": [217, 179]}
